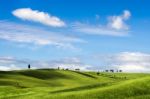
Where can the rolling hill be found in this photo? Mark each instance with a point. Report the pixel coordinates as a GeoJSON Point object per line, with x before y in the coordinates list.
{"type": "Point", "coordinates": [66, 84]}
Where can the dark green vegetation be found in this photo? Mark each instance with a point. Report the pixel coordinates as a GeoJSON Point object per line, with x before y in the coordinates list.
{"type": "Point", "coordinates": [63, 84]}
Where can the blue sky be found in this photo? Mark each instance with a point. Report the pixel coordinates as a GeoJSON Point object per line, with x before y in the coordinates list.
{"type": "Point", "coordinates": [91, 34]}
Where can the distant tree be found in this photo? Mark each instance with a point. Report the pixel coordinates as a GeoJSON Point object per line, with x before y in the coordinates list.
{"type": "Point", "coordinates": [98, 73]}
{"type": "Point", "coordinates": [120, 70]}
{"type": "Point", "coordinates": [112, 70]}
{"type": "Point", "coordinates": [29, 66]}
{"type": "Point", "coordinates": [58, 68]}
{"type": "Point", "coordinates": [67, 69]}
{"type": "Point", "coordinates": [77, 69]}
{"type": "Point", "coordinates": [106, 70]}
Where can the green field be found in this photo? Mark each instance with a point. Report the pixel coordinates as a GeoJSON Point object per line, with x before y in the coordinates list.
{"type": "Point", "coordinates": [65, 84]}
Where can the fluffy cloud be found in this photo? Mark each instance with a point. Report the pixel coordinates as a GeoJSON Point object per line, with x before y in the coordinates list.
{"type": "Point", "coordinates": [11, 63]}
{"type": "Point", "coordinates": [35, 35]}
{"type": "Point", "coordinates": [98, 30]}
{"type": "Point", "coordinates": [70, 63]}
{"type": "Point", "coordinates": [37, 16]}
{"type": "Point", "coordinates": [116, 26]}
{"type": "Point", "coordinates": [118, 22]}
{"type": "Point", "coordinates": [127, 61]}
{"type": "Point", "coordinates": [133, 61]}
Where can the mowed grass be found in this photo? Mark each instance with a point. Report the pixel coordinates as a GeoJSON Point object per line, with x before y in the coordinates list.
{"type": "Point", "coordinates": [66, 84]}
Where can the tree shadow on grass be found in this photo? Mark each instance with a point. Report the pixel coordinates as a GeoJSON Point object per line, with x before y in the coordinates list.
{"type": "Point", "coordinates": [44, 74]}
{"type": "Point", "coordinates": [82, 88]}
{"type": "Point", "coordinates": [85, 74]}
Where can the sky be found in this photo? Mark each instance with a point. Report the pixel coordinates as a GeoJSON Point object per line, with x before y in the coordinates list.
{"type": "Point", "coordinates": [88, 34]}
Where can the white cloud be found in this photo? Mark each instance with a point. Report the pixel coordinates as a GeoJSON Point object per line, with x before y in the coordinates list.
{"type": "Point", "coordinates": [133, 61]}
{"type": "Point", "coordinates": [126, 14]}
{"type": "Point", "coordinates": [133, 57]}
{"type": "Point", "coordinates": [118, 22]}
{"type": "Point", "coordinates": [8, 63]}
{"type": "Point", "coordinates": [9, 67]}
{"type": "Point", "coordinates": [37, 16]}
{"type": "Point", "coordinates": [98, 30]}
{"type": "Point", "coordinates": [70, 63]}
{"type": "Point", "coordinates": [134, 68]}
{"type": "Point", "coordinates": [127, 61]}
{"type": "Point", "coordinates": [35, 35]}
{"type": "Point", "coordinates": [4, 68]}
{"type": "Point", "coordinates": [116, 26]}
{"type": "Point", "coordinates": [12, 63]}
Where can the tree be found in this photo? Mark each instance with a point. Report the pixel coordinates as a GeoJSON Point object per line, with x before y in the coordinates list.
{"type": "Point", "coordinates": [106, 70]}
{"type": "Point", "coordinates": [120, 70]}
{"type": "Point", "coordinates": [77, 69]}
{"type": "Point", "coordinates": [112, 70]}
{"type": "Point", "coordinates": [98, 73]}
{"type": "Point", "coordinates": [29, 66]}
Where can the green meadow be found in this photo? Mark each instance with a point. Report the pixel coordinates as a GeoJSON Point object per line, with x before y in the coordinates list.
{"type": "Point", "coordinates": [66, 84]}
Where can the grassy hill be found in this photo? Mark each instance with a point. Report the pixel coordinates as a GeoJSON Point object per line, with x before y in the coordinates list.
{"type": "Point", "coordinates": [63, 84]}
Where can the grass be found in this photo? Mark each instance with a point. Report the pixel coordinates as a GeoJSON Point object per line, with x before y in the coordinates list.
{"type": "Point", "coordinates": [66, 84]}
